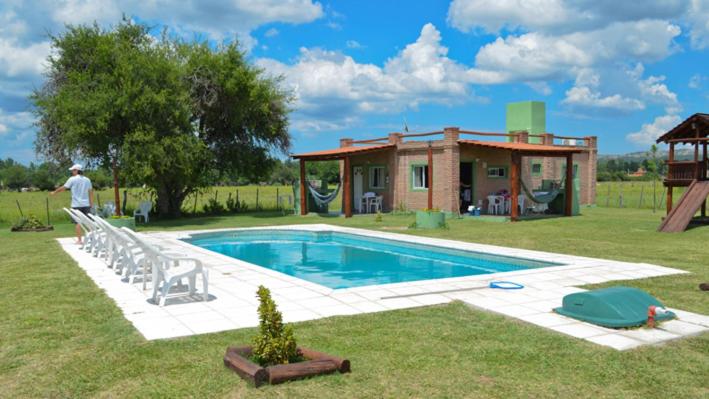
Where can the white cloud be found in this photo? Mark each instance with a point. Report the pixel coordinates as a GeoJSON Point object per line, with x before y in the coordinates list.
{"type": "Point", "coordinates": [271, 32]}
{"type": "Point", "coordinates": [332, 89]}
{"type": "Point", "coordinates": [649, 132]}
{"type": "Point", "coordinates": [698, 17]}
{"type": "Point", "coordinates": [354, 44]}
{"type": "Point", "coordinates": [17, 60]}
{"type": "Point", "coordinates": [628, 91]}
{"type": "Point", "coordinates": [695, 82]}
{"type": "Point", "coordinates": [536, 56]}
{"type": "Point", "coordinates": [556, 15]}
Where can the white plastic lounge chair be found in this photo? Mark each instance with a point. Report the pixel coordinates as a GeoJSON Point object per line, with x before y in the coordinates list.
{"type": "Point", "coordinates": [143, 210]}
{"type": "Point", "coordinates": [169, 270]}
{"type": "Point", "coordinates": [94, 238]}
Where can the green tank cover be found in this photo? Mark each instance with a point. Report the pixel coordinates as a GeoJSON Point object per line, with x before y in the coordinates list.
{"type": "Point", "coordinates": [615, 307]}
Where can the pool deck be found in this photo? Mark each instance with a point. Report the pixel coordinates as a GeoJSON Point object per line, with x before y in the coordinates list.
{"type": "Point", "coordinates": [233, 284]}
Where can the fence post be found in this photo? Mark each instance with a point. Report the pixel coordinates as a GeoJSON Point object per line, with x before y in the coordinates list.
{"type": "Point", "coordinates": [642, 190]}
{"type": "Point", "coordinates": [48, 222]}
{"type": "Point", "coordinates": [620, 196]}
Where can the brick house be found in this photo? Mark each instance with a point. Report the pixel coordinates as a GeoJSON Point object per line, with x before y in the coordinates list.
{"type": "Point", "coordinates": [399, 168]}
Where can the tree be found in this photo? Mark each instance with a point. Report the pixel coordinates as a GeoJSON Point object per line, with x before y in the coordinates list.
{"type": "Point", "coordinates": [16, 176]}
{"type": "Point", "coordinates": [174, 116]}
{"type": "Point", "coordinates": [93, 96]}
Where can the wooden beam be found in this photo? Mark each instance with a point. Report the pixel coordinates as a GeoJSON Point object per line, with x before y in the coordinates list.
{"type": "Point", "coordinates": [303, 199]}
{"type": "Point", "coordinates": [569, 196]}
{"type": "Point", "coordinates": [514, 185]}
{"type": "Point", "coordinates": [429, 175]}
{"type": "Point", "coordinates": [347, 189]}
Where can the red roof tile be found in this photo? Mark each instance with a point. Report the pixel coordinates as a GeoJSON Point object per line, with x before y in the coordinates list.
{"type": "Point", "coordinates": [338, 153]}
{"type": "Point", "coordinates": [522, 147]}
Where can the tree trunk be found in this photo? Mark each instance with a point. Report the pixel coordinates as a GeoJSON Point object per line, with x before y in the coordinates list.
{"type": "Point", "coordinates": [169, 201]}
{"type": "Point", "coordinates": [116, 193]}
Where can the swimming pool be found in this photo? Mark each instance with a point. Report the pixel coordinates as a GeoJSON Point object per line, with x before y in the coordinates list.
{"type": "Point", "coordinates": [342, 260]}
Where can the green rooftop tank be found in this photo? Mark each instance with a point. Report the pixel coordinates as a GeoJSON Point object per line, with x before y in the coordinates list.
{"type": "Point", "coordinates": [529, 116]}
{"type": "Point", "coordinates": [615, 307]}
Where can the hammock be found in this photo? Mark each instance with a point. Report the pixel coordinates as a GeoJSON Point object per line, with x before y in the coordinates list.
{"type": "Point", "coordinates": [324, 199]}
{"type": "Point", "coordinates": [543, 198]}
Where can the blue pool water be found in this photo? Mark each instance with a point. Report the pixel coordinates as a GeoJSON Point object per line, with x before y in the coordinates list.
{"type": "Point", "coordinates": [340, 260]}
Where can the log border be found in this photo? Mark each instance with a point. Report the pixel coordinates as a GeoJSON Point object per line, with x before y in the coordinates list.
{"type": "Point", "coordinates": [317, 363]}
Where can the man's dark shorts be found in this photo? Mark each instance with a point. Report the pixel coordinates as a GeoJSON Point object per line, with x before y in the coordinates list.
{"type": "Point", "coordinates": [83, 209]}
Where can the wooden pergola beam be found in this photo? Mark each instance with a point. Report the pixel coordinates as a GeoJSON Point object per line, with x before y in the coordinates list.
{"type": "Point", "coordinates": [569, 185]}
{"type": "Point", "coordinates": [347, 189]}
{"type": "Point", "coordinates": [429, 175]}
{"type": "Point", "coordinates": [516, 162]}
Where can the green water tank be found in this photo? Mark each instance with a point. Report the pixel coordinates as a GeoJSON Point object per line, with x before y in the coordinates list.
{"type": "Point", "coordinates": [615, 307]}
{"type": "Point", "coordinates": [529, 116]}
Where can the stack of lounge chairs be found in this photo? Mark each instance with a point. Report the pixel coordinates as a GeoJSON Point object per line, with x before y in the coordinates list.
{"type": "Point", "coordinates": [134, 256]}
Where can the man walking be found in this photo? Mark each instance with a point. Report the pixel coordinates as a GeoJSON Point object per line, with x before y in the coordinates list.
{"type": "Point", "coordinates": [82, 194]}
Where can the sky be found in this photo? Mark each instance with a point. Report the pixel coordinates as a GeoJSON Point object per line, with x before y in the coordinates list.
{"type": "Point", "coordinates": [617, 70]}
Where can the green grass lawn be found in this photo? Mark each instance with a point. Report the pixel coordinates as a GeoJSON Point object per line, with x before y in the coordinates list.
{"type": "Point", "coordinates": [62, 337]}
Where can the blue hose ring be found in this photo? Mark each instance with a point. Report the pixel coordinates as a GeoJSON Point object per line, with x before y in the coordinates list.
{"type": "Point", "coordinates": [506, 285]}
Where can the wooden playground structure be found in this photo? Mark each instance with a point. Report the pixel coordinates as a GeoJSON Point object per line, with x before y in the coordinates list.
{"type": "Point", "coordinates": [692, 174]}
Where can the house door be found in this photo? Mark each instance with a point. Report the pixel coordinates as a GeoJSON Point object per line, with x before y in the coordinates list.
{"type": "Point", "coordinates": [467, 186]}
{"type": "Point", "coordinates": [358, 184]}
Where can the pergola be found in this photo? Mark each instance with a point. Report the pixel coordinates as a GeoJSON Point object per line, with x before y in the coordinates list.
{"type": "Point", "coordinates": [517, 151]}
{"type": "Point", "coordinates": [342, 153]}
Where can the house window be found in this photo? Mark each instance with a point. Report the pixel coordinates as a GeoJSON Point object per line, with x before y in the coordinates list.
{"type": "Point", "coordinates": [497, 172]}
{"type": "Point", "coordinates": [376, 177]}
{"type": "Point", "coordinates": [419, 174]}
{"type": "Point", "coordinates": [536, 169]}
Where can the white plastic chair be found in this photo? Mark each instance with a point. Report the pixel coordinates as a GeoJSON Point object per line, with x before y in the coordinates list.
{"type": "Point", "coordinates": [494, 204]}
{"type": "Point", "coordinates": [143, 210]}
{"type": "Point", "coordinates": [108, 209]}
{"type": "Point", "coordinates": [366, 198]}
{"type": "Point", "coordinates": [375, 204]}
{"type": "Point", "coordinates": [95, 239]}
{"type": "Point", "coordinates": [169, 270]}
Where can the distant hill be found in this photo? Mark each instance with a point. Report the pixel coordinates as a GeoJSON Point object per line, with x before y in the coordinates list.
{"type": "Point", "coordinates": [680, 153]}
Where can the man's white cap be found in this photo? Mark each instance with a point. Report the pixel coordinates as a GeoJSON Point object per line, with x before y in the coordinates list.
{"type": "Point", "coordinates": [76, 166]}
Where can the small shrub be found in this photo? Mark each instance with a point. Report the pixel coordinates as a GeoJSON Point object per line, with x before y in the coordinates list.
{"type": "Point", "coordinates": [275, 343]}
{"type": "Point", "coordinates": [234, 205]}
{"type": "Point", "coordinates": [213, 207]}
{"type": "Point", "coordinates": [378, 218]}
{"type": "Point", "coordinates": [401, 208]}
{"type": "Point", "coordinates": [31, 222]}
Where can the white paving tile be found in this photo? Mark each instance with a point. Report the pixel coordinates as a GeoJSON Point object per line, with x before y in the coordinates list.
{"type": "Point", "coordinates": [547, 319]}
{"type": "Point", "coordinates": [581, 330]}
{"type": "Point", "coordinates": [681, 327]}
{"type": "Point", "coordinates": [615, 341]}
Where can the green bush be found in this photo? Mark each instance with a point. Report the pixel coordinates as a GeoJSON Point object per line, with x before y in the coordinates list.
{"type": "Point", "coordinates": [235, 206]}
{"type": "Point", "coordinates": [213, 207]}
{"type": "Point", "coordinates": [275, 343]}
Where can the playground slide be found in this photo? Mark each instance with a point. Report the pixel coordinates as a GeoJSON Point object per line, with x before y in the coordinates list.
{"type": "Point", "coordinates": [679, 217]}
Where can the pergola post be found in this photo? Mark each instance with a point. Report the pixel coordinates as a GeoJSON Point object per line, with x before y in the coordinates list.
{"type": "Point", "coordinates": [670, 161]}
{"type": "Point", "coordinates": [303, 199]}
{"type": "Point", "coordinates": [429, 175]}
{"type": "Point", "coordinates": [514, 185]}
{"type": "Point", "coordinates": [568, 209]}
{"type": "Point", "coordinates": [346, 192]}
